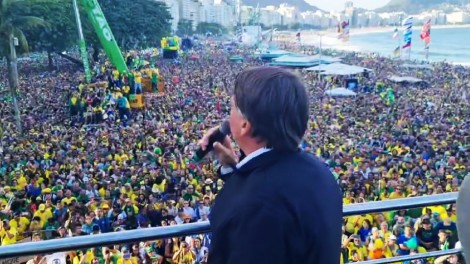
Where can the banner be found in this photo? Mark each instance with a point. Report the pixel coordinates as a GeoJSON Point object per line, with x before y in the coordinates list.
{"type": "Point", "coordinates": [407, 32]}
{"type": "Point", "coordinates": [426, 35]}
{"type": "Point", "coordinates": [56, 258]}
{"type": "Point", "coordinates": [343, 30]}
{"type": "Point", "coordinates": [396, 52]}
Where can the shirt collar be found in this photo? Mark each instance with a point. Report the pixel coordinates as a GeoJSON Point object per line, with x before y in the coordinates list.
{"type": "Point", "coordinates": [252, 155]}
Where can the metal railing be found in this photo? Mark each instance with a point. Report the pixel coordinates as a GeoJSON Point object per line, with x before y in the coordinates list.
{"type": "Point", "coordinates": [155, 233]}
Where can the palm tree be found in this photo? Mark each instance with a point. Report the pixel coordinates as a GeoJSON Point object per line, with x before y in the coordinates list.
{"type": "Point", "coordinates": [12, 23]}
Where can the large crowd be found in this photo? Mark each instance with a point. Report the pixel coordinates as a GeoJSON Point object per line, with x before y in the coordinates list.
{"type": "Point", "coordinates": [87, 163]}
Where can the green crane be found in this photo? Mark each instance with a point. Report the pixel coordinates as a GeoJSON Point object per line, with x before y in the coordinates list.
{"type": "Point", "coordinates": [104, 33]}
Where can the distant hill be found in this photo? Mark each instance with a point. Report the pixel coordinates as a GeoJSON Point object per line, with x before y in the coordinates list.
{"type": "Point", "coordinates": [300, 4]}
{"type": "Point", "coordinates": [417, 6]}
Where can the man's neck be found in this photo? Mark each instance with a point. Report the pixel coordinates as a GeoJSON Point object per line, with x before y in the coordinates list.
{"type": "Point", "coordinates": [252, 148]}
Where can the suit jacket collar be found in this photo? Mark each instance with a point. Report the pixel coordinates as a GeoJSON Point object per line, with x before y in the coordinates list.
{"type": "Point", "coordinates": [262, 160]}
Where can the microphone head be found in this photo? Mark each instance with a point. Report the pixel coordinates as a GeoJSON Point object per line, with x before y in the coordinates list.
{"type": "Point", "coordinates": [225, 127]}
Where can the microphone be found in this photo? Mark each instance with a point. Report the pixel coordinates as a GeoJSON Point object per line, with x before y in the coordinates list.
{"type": "Point", "coordinates": [217, 136]}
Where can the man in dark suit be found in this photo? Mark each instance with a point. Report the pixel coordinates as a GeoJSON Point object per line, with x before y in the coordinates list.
{"type": "Point", "coordinates": [279, 204]}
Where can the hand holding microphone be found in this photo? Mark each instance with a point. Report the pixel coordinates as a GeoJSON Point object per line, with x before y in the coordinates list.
{"type": "Point", "coordinates": [217, 139]}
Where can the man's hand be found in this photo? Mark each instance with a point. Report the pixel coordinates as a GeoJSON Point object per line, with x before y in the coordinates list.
{"type": "Point", "coordinates": [225, 153]}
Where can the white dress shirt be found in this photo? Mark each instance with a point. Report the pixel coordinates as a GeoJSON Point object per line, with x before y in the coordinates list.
{"type": "Point", "coordinates": [252, 155]}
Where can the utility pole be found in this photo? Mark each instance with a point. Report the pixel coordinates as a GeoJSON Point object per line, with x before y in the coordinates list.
{"type": "Point", "coordinates": [14, 82]}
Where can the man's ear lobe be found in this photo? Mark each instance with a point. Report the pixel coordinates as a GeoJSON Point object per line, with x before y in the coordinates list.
{"type": "Point", "coordinates": [246, 128]}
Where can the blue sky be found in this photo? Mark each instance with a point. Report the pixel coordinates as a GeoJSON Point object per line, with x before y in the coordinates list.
{"type": "Point", "coordinates": [339, 4]}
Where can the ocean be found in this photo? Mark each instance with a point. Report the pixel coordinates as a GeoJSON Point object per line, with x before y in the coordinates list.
{"type": "Point", "coordinates": [449, 44]}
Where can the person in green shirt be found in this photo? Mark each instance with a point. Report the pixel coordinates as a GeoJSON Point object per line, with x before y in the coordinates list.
{"type": "Point", "coordinates": [191, 194]}
{"type": "Point", "coordinates": [51, 225]}
{"type": "Point", "coordinates": [154, 81]}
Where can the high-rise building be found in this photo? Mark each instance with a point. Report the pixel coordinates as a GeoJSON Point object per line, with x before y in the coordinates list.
{"type": "Point", "coordinates": [173, 8]}
{"type": "Point", "coordinates": [351, 13]}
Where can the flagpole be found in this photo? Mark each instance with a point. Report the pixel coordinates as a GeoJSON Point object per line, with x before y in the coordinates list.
{"type": "Point", "coordinates": [409, 53]}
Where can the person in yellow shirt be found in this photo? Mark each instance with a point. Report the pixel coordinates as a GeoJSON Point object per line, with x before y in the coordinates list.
{"type": "Point", "coordinates": [126, 257]}
{"type": "Point", "coordinates": [20, 223]}
{"type": "Point", "coordinates": [185, 255]}
{"type": "Point", "coordinates": [438, 209]}
{"type": "Point", "coordinates": [397, 194]}
{"type": "Point", "coordinates": [356, 246]}
{"type": "Point", "coordinates": [7, 233]}
{"type": "Point", "coordinates": [68, 198]}
{"type": "Point", "coordinates": [390, 249]}
{"type": "Point", "coordinates": [21, 181]}
{"type": "Point", "coordinates": [43, 214]}
{"type": "Point", "coordinates": [137, 82]}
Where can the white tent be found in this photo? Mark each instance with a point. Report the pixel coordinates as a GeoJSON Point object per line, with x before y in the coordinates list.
{"type": "Point", "coordinates": [338, 69]}
{"type": "Point", "coordinates": [301, 60]}
{"type": "Point", "coordinates": [340, 92]}
{"type": "Point", "coordinates": [400, 79]}
{"type": "Point", "coordinates": [417, 66]}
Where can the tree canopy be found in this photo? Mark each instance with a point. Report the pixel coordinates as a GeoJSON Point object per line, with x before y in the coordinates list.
{"type": "Point", "coordinates": [135, 24]}
{"type": "Point", "coordinates": [14, 19]}
{"type": "Point", "coordinates": [61, 32]}
{"type": "Point", "coordinates": [213, 28]}
{"type": "Point", "coordinates": [184, 27]}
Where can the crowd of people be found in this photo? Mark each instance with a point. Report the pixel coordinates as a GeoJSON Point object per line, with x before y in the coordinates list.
{"type": "Point", "coordinates": [63, 177]}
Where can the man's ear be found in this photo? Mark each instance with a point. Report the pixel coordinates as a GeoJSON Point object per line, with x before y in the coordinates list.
{"type": "Point", "coordinates": [246, 128]}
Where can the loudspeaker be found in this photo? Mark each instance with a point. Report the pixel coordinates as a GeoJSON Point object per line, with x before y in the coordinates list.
{"type": "Point", "coordinates": [170, 54]}
{"type": "Point", "coordinates": [463, 217]}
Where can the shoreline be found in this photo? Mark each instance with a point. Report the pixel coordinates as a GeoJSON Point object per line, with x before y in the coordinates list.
{"type": "Point", "coordinates": [373, 30]}
{"type": "Point", "coordinates": [330, 40]}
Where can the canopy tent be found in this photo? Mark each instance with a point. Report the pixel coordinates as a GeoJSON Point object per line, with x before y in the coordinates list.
{"type": "Point", "coordinates": [340, 92]}
{"type": "Point", "coordinates": [417, 66]}
{"type": "Point", "coordinates": [236, 58]}
{"type": "Point", "coordinates": [338, 69]}
{"type": "Point", "coordinates": [273, 53]}
{"type": "Point", "coordinates": [300, 60]}
{"type": "Point", "coordinates": [404, 79]}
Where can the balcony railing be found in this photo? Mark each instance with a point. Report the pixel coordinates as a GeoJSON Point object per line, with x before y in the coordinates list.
{"type": "Point", "coordinates": [155, 233]}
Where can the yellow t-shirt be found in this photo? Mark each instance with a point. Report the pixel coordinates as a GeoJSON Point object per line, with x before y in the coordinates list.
{"type": "Point", "coordinates": [161, 186]}
{"type": "Point", "coordinates": [6, 240]}
{"type": "Point", "coordinates": [441, 210]}
{"type": "Point", "coordinates": [138, 78]}
{"type": "Point", "coordinates": [22, 182]}
{"type": "Point", "coordinates": [184, 257]}
{"type": "Point", "coordinates": [44, 216]}
{"type": "Point", "coordinates": [116, 75]}
{"type": "Point", "coordinates": [388, 253]}
{"type": "Point", "coordinates": [395, 195]}
{"type": "Point", "coordinates": [21, 226]}
{"type": "Point", "coordinates": [132, 260]}
{"type": "Point", "coordinates": [67, 201]}
{"type": "Point", "coordinates": [361, 251]}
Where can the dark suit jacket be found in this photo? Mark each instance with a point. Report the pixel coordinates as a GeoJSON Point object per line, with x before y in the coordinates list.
{"type": "Point", "coordinates": [278, 208]}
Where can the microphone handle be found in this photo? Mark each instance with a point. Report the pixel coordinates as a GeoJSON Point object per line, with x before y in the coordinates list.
{"type": "Point", "coordinates": [218, 136]}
